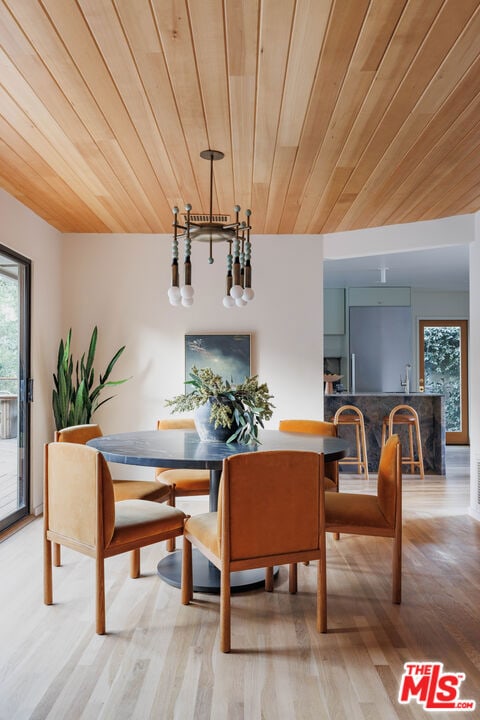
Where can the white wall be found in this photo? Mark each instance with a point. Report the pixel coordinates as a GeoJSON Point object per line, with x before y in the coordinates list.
{"type": "Point", "coordinates": [399, 238]}
{"type": "Point", "coordinates": [23, 231]}
{"type": "Point", "coordinates": [119, 282]}
{"type": "Point", "coordinates": [474, 379]}
{"type": "Point", "coordinates": [438, 305]}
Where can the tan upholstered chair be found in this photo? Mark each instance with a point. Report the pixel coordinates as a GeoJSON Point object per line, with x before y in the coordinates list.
{"type": "Point", "coordinates": [181, 482]}
{"type": "Point", "coordinates": [122, 489]}
{"type": "Point", "coordinates": [80, 513]}
{"type": "Point", "coordinates": [283, 524]}
{"type": "Point", "coordinates": [316, 427]}
{"type": "Point", "coordinates": [379, 515]}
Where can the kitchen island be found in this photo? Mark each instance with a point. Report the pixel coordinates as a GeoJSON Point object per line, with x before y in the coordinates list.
{"type": "Point", "coordinates": [375, 406]}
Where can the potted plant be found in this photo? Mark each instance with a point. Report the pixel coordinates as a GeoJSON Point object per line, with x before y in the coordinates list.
{"type": "Point", "coordinates": [225, 411]}
{"type": "Point", "coordinates": [76, 397]}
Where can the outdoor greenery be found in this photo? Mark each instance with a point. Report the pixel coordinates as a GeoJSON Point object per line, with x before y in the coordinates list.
{"type": "Point", "coordinates": [8, 335]}
{"type": "Point", "coordinates": [442, 370]}
{"type": "Point", "coordinates": [75, 395]}
{"type": "Point", "coordinates": [242, 406]}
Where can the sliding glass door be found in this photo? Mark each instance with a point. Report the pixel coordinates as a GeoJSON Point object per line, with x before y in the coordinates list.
{"type": "Point", "coordinates": [15, 386]}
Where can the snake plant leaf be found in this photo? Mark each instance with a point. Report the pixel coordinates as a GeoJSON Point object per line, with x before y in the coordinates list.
{"type": "Point", "coordinates": [110, 365]}
{"type": "Point", "coordinates": [74, 396]}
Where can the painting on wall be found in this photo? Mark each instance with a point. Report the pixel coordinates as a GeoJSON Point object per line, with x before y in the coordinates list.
{"type": "Point", "coordinates": [226, 355]}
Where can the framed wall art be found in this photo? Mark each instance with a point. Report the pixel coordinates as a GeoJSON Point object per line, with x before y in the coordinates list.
{"type": "Point", "coordinates": [227, 355]}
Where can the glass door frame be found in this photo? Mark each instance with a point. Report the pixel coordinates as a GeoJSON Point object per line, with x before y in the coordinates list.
{"type": "Point", "coordinates": [457, 437]}
{"type": "Point", "coordinates": [24, 388]}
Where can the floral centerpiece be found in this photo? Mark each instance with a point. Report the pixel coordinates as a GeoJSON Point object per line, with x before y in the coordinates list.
{"type": "Point", "coordinates": [238, 408]}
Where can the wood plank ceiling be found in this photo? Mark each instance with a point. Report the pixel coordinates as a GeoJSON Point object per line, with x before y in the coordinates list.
{"type": "Point", "coordinates": [332, 114]}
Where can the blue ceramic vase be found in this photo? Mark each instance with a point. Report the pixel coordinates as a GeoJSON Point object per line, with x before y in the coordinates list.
{"type": "Point", "coordinates": [206, 428]}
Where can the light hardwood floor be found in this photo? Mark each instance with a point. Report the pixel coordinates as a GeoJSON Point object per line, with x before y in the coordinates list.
{"type": "Point", "coordinates": [161, 660]}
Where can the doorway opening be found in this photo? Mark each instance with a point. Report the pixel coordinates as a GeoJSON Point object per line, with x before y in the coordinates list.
{"type": "Point", "coordinates": [443, 368]}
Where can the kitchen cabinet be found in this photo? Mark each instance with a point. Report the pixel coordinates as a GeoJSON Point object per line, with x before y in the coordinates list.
{"type": "Point", "coordinates": [334, 311]}
{"type": "Point", "coordinates": [365, 296]}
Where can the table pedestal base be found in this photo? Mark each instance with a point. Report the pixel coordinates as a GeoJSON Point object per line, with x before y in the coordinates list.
{"type": "Point", "coordinates": [206, 577]}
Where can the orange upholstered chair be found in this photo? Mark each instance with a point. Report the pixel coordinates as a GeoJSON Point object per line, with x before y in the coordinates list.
{"type": "Point", "coordinates": [283, 524]}
{"type": "Point", "coordinates": [316, 427]}
{"type": "Point", "coordinates": [181, 482]}
{"type": "Point", "coordinates": [379, 515]}
{"type": "Point", "coordinates": [80, 512]}
{"type": "Point", "coordinates": [122, 489]}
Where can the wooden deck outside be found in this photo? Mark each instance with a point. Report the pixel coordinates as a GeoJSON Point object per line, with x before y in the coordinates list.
{"type": "Point", "coordinates": [8, 477]}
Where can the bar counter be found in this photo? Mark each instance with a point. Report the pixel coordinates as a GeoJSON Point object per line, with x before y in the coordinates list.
{"type": "Point", "coordinates": [375, 406]}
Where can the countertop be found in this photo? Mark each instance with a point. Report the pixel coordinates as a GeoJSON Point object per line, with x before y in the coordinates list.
{"type": "Point", "coordinates": [382, 394]}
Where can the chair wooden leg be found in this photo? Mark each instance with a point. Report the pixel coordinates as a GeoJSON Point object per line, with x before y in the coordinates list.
{"type": "Point", "coordinates": [57, 550]}
{"type": "Point", "coordinates": [364, 448]}
{"type": "Point", "coordinates": [135, 563]}
{"type": "Point", "coordinates": [171, 544]}
{"type": "Point", "coordinates": [420, 452]}
{"type": "Point", "coordinates": [47, 572]}
{"type": "Point", "coordinates": [100, 595]}
{"type": "Point", "coordinates": [225, 630]}
{"type": "Point", "coordinates": [322, 594]}
{"type": "Point", "coordinates": [397, 571]}
{"type": "Point", "coordinates": [292, 578]}
{"type": "Point", "coordinates": [269, 579]}
{"type": "Point", "coordinates": [336, 536]}
{"type": "Point", "coordinates": [412, 456]}
{"type": "Point", "coordinates": [187, 580]}
{"type": "Point", "coordinates": [359, 449]}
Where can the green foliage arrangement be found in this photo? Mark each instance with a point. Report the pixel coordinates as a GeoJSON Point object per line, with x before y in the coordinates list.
{"type": "Point", "coordinates": [242, 407]}
{"type": "Point", "coordinates": [75, 396]}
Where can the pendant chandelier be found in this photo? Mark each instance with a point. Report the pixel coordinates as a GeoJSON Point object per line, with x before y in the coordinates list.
{"type": "Point", "coordinates": [212, 228]}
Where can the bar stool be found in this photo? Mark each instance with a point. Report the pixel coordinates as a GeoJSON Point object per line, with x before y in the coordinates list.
{"type": "Point", "coordinates": [407, 416]}
{"type": "Point", "coordinates": [351, 415]}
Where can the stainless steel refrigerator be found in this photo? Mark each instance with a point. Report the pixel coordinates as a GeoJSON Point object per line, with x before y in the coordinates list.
{"type": "Point", "coordinates": [381, 342]}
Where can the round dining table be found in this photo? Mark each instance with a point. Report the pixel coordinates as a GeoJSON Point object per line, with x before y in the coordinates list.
{"type": "Point", "coordinates": [184, 449]}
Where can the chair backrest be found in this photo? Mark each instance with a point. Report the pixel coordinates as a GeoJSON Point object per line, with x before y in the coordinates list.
{"type": "Point", "coordinates": [271, 503]}
{"type": "Point", "coordinates": [401, 410]}
{"type": "Point", "coordinates": [78, 495]}
{"type": "Point", "coordinates": [176, 424]}
{"type": "Point", "coordinates": [314, 427]}
{"type": "Point", "coordinates": [80, 434]}
{"type": "Point", "coordinates": [347, 410]}
{"type": "Point", "coordinates": [183, 423]}
{"type": "Point", "coordinates": [311, 427]}
{"type": "Point", "coordinates": [389, 482]}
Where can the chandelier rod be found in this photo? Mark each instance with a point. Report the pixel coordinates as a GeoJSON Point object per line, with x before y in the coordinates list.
{"type": "Point", "coordinates": [211, 187]}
